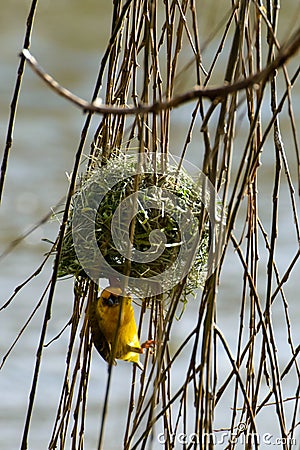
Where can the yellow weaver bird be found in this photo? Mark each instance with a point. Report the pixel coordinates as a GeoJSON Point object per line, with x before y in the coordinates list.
{"type": "Point", "coordinates": [106, 329]}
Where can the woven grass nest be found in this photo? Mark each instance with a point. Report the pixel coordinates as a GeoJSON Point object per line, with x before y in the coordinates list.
{"type": "Point", "coordinates": [175, 208]}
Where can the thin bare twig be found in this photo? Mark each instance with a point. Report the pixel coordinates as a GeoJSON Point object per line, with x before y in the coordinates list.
{"type": "Point", "coordinates": [286, 52]}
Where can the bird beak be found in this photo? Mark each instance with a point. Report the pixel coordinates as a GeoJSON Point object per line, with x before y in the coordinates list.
{"type": "Point", "coordinates": [113, 300]}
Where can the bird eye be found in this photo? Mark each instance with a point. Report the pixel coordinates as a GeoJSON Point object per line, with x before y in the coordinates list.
{"type": "Point", "coordinates": [111, 300]}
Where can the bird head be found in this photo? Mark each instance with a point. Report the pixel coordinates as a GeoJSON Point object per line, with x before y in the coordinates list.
{"type": "Point", "coordinates": [111, 296]}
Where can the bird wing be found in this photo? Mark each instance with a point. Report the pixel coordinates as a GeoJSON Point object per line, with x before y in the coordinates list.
{"type": "Point", "coordinates": [99, 340]}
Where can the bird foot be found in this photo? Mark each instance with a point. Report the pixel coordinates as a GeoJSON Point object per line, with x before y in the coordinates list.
{"type": "Point", "coordinates": [150, 344]}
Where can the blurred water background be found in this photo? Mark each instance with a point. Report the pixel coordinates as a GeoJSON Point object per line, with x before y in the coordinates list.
{"type": "Point", "coordinates": [69, 38]}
